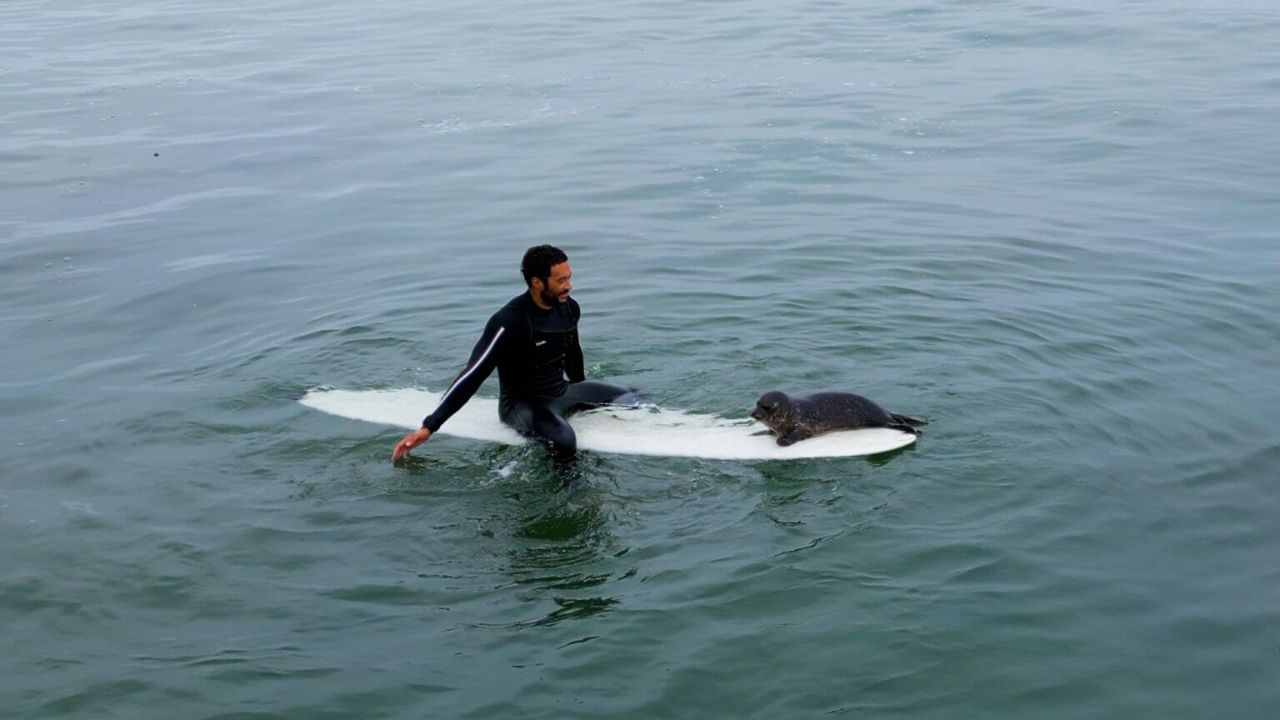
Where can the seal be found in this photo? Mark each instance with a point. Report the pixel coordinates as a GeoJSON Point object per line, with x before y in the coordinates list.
{"type": "Point", "coordinates": [793, 419]}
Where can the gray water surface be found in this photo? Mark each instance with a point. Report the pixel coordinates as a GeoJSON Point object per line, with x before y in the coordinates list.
{"type": "Point", "coordinates": [1050, 231]}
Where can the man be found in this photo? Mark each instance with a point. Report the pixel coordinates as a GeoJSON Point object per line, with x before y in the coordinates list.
{"type": "Point", "coordinates": [533, 342]}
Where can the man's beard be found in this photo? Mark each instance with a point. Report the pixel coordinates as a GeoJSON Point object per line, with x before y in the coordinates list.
{"type": "Point", "coordinates": [549, 297]}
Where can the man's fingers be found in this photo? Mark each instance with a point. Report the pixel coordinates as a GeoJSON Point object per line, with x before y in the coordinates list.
{"type": "Point", "coordinates": [403, 447]}
{"type": "Point", "coordinates": [409, 442]}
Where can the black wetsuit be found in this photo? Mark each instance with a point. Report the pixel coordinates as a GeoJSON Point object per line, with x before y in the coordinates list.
{"type": "Point", "coordinates": [540, 373]}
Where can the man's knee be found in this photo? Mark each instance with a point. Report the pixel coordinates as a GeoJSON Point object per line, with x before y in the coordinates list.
{"type": "Point", "coordinates": [557, 433]}
{"type": "Point", "coordinates": [564, 442]}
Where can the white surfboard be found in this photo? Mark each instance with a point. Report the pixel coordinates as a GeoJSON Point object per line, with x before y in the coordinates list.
{"type": "Point", "coordinates": [644, 430]}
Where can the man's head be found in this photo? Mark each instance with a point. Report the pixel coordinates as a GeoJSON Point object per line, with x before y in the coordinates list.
{"type": "Point", "coordinates": [546, 272]}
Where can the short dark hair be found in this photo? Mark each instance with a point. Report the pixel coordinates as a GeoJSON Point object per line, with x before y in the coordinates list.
{"type": "Point", "coordinates": [538, 261]}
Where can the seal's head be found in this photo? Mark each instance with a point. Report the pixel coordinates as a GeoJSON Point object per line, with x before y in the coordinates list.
{"type": "Point", "coordinates": [776, 411]}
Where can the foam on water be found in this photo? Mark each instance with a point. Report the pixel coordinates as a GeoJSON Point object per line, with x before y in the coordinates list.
{"type": "Point", "coordinates": [645, 430]}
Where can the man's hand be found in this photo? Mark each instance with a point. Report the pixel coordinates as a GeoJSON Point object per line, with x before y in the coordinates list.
{"type": "Point", "coordinates": [410, 441]}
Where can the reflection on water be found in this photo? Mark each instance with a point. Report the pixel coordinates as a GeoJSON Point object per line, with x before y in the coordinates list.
{"type": "Point", "coordinates": [557, 544]}
{"type": "Point", "coordinates": [566, 609]}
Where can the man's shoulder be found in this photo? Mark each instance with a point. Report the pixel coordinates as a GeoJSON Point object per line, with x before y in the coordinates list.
{"type": "Point", "coordinates": [512, 312]}
{"type": "Point", "coordinates": [515, 304]}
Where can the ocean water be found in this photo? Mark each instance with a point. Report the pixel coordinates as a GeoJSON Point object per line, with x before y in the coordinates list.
{"type": "Point", "coordinates": [1051, 230]}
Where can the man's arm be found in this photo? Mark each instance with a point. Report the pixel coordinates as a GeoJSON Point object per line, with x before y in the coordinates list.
{"type": "Point", "coordinates": [484, 358]}
{"type": "Point", "coordinates": [574, 366]}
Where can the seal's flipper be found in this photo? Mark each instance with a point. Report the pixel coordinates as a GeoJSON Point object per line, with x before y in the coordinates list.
{"type": "Point", "coordinates": [793, 437]}
{"type": "Point", "coordinates": [907, 420]}
{"type": "Point", "coordinates": [903, 427]}
{"type": "Point", "coordinates": [762, 432]}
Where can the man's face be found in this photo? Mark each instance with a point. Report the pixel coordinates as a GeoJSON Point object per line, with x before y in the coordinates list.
{"type": "Point", "coordinates": [556, 289]}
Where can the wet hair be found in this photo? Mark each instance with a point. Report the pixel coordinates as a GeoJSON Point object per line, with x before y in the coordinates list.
{"type": "Point", "coordinates": [538, 261]}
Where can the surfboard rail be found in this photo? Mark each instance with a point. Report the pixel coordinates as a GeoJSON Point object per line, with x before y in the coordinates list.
{"type": "Point", "coordinates": [643, 430]}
